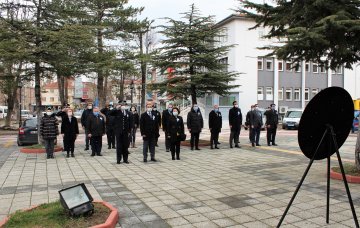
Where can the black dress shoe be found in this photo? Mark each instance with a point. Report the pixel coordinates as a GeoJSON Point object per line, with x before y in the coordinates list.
{"type": "Point", "coordinates": [231, 146]}
{"type": "Point", "coordinates": [253, 144]}
{"type": "Point", "coordinates": [145, 160]}
{"type": "Point", "coordinates": [197, 148]}
{"type": "Point", "coordinates": [172, 158]}
{"type": "Point", "coordinates": [99, 155]}
{"type": "Point", "coordinates": [218, 143]}
{"type": "Point", "coordinates": [178, 158]}
{"type": "Point", "coordinates": [118, 162]}
{"type": "Point", "coordinates": [274, 144]}
{"type": "Point", "coordinates": [86, 149]}
{"type": "Point", "coordinates": [154, 160]}
{"type": "Point", "coordinates": [114, 147]}
{"type": "Point", "coordinates": [269, 144]}
{"type": "Point", "coordinates": [126, 162]}
{"type": "Point", "coordinates": [109, 147]}
{"type": "Point", "coordinates": [211, 147]}
{"type": "Point", "coordinates": [192, 148]}
{"type": "Point", "coordinates": [217, 147]}
{"type": "Point", "coordinates": [258, 145]}
{"type": "Point", "coordinates": [92, 155]}
{"type": "Point", "coordinates": [67, 155]}
{"type": "Point", "coordinates": [237, 146]}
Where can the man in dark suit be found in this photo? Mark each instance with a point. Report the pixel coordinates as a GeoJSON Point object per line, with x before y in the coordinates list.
{"type": "Point", "coordinates": [87, 112]}
{"type": "Point", "coordinates": [96, 129]}
{"type": "Point", "coordinates": [215, 124]}
{"type": "Point", "coordinates": [123, 123]}
{"type": "Point", "coordinates": [110, 133]}
{"type": "Point", "coordinates": [255, 123]}
{"type": "Point", "coordinates": [148, 125]}
{"type": "Point", "coordinates": [272, 120]}
{"type": "Point", "coordinates": [235, 121]}
{"type": "Point", "coordinates": [158, 117]}
{"type": "Point", "coordinates": [165, 118]}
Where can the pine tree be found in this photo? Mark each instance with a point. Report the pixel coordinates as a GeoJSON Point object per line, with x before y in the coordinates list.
{"type": "Point", "coordinates": [323, 31]}
{"type": "Point", "coordinates": [192, 49]}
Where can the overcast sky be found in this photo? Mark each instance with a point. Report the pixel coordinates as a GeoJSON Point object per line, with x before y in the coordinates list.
{"type": "Point", "coordinates": [156, 9]}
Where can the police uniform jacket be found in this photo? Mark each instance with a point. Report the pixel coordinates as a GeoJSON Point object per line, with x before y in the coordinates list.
{"type": "Point", "coordinates": [123, 121]}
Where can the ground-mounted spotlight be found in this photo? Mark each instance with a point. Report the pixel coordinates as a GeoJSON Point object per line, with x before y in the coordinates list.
{"type": "Point", "coordinates": [77, 200]}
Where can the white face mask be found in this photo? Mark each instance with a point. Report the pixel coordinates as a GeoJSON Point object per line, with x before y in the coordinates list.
{"type": "Point", "coordinates": [48, 113]}
{"type": "Point", "coordinates": [256, 108]}
{"type": "Point", "coordinates": [154, 109]}
{"type": "Point", "coordinates": [175, 113]}
{"type": "Point", "coordinates": [149, 109]}
{"type": "Point", "coordinates": [236, 106]}
{"type": "Point", "coordinates": [89, 107]}
{"type": "Point", "coordinates": [70, 113]}
{"type": "Point", "coordinates": [123, 108]}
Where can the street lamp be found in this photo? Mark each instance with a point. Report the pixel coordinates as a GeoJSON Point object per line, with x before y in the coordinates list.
{"type": "Point", "coordinates": [132, 90]}
{"type": "Point", "coordinates": [20, 85]}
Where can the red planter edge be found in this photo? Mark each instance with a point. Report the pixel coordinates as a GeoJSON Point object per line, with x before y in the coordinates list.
{"type": "Point", "coordinates": [110, 222]}
{"type": "Point", "coordinates": [113, 218]}
{"type": "Point", "coordinates": [349, 178]}
{"type": "Point", "coordinates": [38, 151]}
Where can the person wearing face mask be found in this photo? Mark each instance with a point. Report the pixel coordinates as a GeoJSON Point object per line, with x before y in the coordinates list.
{"type": "Point", "coordinates": [148, 126]}
{"type": "Point", "coordinates": [123, 123]}
{"type": "Point", "coordinates": [63, 114]}
{"type": "Point", "coordinates": [176, 133]}
{"type": "Point", "coordinates": [69, 132]}
{"type": "Point", "coordinates": [215, 125]}
{"type": "Point", "coordinates": [165, 118]}
{"type": "Point", "coordinates": [272, 121]}
{"type": "Point", "coordinates": [96, 129]}
{"type": "Point", "coordinates": [110, 134]}
{"type": "Point", "coordinates": [235, 122]}
{"type": "Point", "coordinates": [255, 122]}
{"type": "Point", "coordinates": [86, 113]}
{"type": "Point", "coordinates": [247, 122]}
{"type": "Point", "coordinates": [195, 123]}
{"type": "Point", "coordinates": [49, 131]}
{"type": "Point", "coordinates": [136, 120]}
{"type": "Point", "coordinates": [158, 117]}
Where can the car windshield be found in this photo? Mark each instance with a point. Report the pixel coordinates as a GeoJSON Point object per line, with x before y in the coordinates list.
{"type": "Point", "coordinates": [293, 114]}
{"type": "Point", "coordinates": [30, 123]}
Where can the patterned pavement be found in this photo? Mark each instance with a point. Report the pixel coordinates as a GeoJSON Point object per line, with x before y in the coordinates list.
{"type": "Point", "coordinates": [247, 187]}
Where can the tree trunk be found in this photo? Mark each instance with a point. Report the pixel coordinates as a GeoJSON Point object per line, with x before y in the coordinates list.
{"type": "Point", "coordinates": [122, 78]}
{"type": "Point", "coordinates": [37, 72]}
{"type": "Point", "coordinates": [100, 75]}
{"type": "Point", "coordinates": [143, 74]}
{"type": "Point", "coordinates": [66, 91]}
{"type": "Point", "coordinates": [193, 95]}
{"type": "Point", "coordinates": [60, 80]}
{"type": "Point", "coordinates": [105, 88]}
{"type": "Point", "coordinates": [357, 150]}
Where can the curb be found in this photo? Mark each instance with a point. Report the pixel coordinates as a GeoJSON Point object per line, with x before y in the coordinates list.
{"type": "Point", "coordinates": [39, 151]}
{"type": "Point", "coordinates": [113, 218]}
{"type": "Point", "coordinates": [110, 222]}
{"type": "Point", "coordinates": [349, 178]}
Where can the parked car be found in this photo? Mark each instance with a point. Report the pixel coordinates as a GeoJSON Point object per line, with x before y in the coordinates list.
{"type": "Point", "coordinates": [25, 114]}
{"type": "Point", "coordinates": [355, 126]}
{"type": "Point", "coordinates": [28, 132]}
{"type": "Point", "coordinates": [292, 118]}
{"type": "Point", "coordinates": [3, 111]}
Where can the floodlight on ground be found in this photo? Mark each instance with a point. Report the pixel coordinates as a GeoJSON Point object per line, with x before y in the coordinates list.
{"type": "Point", "coordinates": [77, 200]}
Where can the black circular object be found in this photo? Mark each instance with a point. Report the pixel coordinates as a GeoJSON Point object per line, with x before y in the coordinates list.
{"type": "Point", "coordinates": [334, 107]}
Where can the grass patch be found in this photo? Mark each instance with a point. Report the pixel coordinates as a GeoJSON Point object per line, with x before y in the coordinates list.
{"type": "Point", "coordinates": [350, 169]}
{"type": "Point", "coordinates": [54, 215]}
{"type": "Point", "coordinates": [35, 146]}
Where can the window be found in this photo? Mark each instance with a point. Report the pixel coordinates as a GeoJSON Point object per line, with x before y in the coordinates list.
{"type": "Point", "coordinates": [307, 67]}
{"type": "Point", "coordinates": [281, 94]}
{"type": "Point", "coordinates": [314, 92]}
{"type": "Point", "coordinates": [269, 64]}
{"type": "Point", "coordinates": [288, 94]}
{"type": "Point", "coordinates": [297, 94]}
{"type": "Point", "coordinates": [288, 66]}
{"type": "Point", "coordinates": [223, 36]}
{"type": "Point", "coordinates": [224, 64]}
{"type": "Point", "coordinates": [51, 99]}
{"type": "Point", "coordinates": [227, 101]}
{"type": "Point", "coordinates": [338, 70]}
{"type": "Point", "coordinates": [298, 67]}
{"type": "Point", "coordinates": [209, 101]}
{"type": "Point", "coordinates": [260, 93]}
{"type": "Point", "coordinates": [269, 93]}
{"type": "Point", "coordinates": [307, 93]}
{"type": "Point", "coordinates": [315, 68]}
{"type": "Point", "coordinates": [51, 90]}
{"type": "Point", "coordinates": [260, 64]}
{"type": "Point", "coordinates": [281, 65]}
{"type": "Point", "coordinates": [322, 69]}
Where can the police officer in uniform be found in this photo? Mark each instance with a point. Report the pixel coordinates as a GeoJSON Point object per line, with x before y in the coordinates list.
{"type": "Point", "coordinates": [215, 124]}
{"type": "Point", "coordinates": [235, 121]}
{"type": "Point", "coordinates": [122, 125]}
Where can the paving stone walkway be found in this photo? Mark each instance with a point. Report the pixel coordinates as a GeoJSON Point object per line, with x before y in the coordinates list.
{"type": "Point", "coordinates": [247, 187]}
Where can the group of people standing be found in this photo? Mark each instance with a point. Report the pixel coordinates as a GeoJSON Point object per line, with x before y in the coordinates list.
{"type": "Point", "coordinates": [120, 124]}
